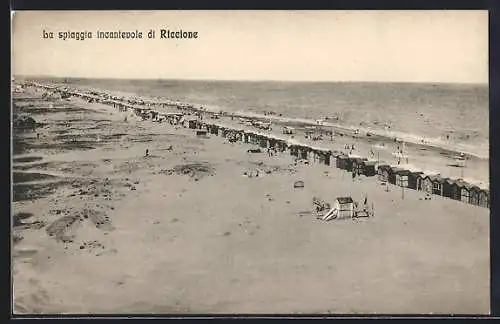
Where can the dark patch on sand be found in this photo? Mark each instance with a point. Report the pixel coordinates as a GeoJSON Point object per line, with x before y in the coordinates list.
{"type": "Point", "coordinates": [49, 110]}
{"type": "Point", "coordinates": [26, 159]}
{"type": "Point", "coordinates": [32, 166]}
{"type": "Point", "coordinates": [19, 145]}
{"type": "Point", "coordinates": [18, 218]}
{"type": "Point", "coordinates": [20, 177]}
{"type": "Point", "coordinates": [71, 145]}
{"type": "Point", "coordinates": [195, 170]}
{"type": "Point", "coordinates": [23, 191]}
{"type": "Point", "coordinates": [60, 227]}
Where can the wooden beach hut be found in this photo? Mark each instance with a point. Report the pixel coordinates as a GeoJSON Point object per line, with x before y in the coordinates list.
{"type": "Point", "coordinates": [344, 207]}
{"type": "Point", "coordinates": [334, 158]}
{"type": "Point", "coordinates": [393, 171]}
{"type": "Point", "coordinates": [413, 179]}
{"type": "Point", "coordinates": [426, 184]}
{"type": "Point", "coordinates": [342, 162]}
{"type": "Point", "coordinates": [437, 184]}
{"type": "Point", "coordinates": [383, 172]}
{"type": "Point", "coordinates": [402, 178]}
{"type": "Point", "coordinates": [304, 153]}
{"type": "Point", "coordinates": [357, 165]}
{"type": "Point", "coordinates": [328, 156]}
{"type": "Point", "coordinates": [455, 189]}
{"type": "Point", "coordinates": [263, 141]}
{"type": "Point", "coordinates": [464, 188]}
{"type": "Point", "coordinates": [449, 189]}
{"type": "Point", "coordinates": [369, 168]}
{"type": "Point", "coordinates": [484, 198]}
{"type": "Point", "coordinates": [474, 195]}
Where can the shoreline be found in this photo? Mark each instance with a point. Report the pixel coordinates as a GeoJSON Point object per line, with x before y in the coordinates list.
{"type": "Point", "coordinates": [143, 104]}
{"type": "Point", "coordinates": [348, 130]}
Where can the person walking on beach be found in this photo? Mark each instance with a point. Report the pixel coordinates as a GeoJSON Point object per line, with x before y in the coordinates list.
{"type": "Point", "coordinates": [147, 152]}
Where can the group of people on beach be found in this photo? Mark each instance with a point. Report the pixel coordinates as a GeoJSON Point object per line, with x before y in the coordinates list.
{"type": "Point", "coordinates": [349, 148]}
{"type": "Point", "coordinates": [271, 151]}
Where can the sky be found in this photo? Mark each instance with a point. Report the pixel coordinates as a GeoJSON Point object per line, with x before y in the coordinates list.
{"type": "Point", "coordinates": [372, 46]}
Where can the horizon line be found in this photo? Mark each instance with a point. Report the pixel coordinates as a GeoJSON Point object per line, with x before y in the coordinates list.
{"type": "Point", "coordinates": [244, 80]}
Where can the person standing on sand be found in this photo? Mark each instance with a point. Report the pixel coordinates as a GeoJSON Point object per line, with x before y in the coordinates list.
{"type": "Point", "coordinates": [147, 152]}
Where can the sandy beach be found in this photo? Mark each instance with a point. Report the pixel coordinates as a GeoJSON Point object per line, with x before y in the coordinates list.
{"type": "Point", "coordinates": [101, 228]}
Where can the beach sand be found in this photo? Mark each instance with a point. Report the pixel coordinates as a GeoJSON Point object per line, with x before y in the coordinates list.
{"type": "Point", "coordinates": [107, 229]}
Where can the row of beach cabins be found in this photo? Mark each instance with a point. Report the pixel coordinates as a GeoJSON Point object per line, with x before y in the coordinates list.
{"type": "Point", "coordinates": [456, 189]}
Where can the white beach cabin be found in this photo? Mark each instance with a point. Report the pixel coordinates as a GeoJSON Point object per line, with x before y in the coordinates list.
{"type": "Point", "coordinates": [343, 207]}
